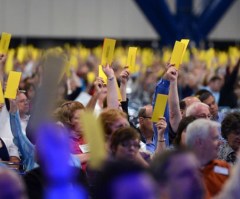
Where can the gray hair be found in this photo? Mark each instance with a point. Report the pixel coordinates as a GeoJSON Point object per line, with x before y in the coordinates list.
{"type": "Point", "coordinates": [193, 108]}
{"type": "Point", "coordinates": [199, 128]}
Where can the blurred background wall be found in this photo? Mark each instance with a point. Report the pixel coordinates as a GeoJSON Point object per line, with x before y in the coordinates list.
{"type": "Point", "coordinates": [95, 19]}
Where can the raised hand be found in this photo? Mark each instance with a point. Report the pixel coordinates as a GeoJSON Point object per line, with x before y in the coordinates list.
{"type": "Point", "coordinates": [124, 76]}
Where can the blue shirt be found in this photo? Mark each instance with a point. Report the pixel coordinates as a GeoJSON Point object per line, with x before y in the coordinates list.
{"type": "Point", "coordinates": [162, 87]}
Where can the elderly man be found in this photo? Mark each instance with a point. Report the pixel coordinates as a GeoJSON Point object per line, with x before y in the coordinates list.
{"type": "Point", "coordinates": [23, 107]}
{"type": "Point", "coordinates": [198, 110]}
{"type": "Point", "coordinates": [202, 136]}
{"type": "Point", "coordinates": [146, 127]}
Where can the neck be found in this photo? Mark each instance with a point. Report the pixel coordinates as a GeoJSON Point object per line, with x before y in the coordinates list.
{"type": "Point", "coordinates": [147, 133]}
{"type": "Point", "coordinates": [203, 159]}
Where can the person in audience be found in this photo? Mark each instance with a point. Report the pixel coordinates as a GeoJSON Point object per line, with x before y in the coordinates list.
{"type": "Point", "coordinates": [69, 114]}
{"type": "Point", "coordinates": [11, 185]}
{"type": "Point", "coordinates": [207, 98]}
{"type": "Point", "coordinates": [231, 133]}
{"type": "Point", "coordinates": [199, 110]}
{"type": "Point", "coordinates": [125, 145]}
{"type": "Point", "coordinates": [180, 139]}
{"type": "Point", "coordinates": [177, 175]}
{"type": "Point", "coordinates": [146, 128]}
{"type": "Point", "coordinates": [124, 180]}
{"type": "Point", "coordinates": [23, 107]}
{"type": "Point", "coordinates": [202, 136]}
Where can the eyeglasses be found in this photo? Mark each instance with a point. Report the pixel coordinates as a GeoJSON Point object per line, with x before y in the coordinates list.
{"type": "Point", "coordinates": [136, 145]}
{"type": "Point", "coordinates": [147, 117]}
{"type": "Point", "coordinates": [204, 116]}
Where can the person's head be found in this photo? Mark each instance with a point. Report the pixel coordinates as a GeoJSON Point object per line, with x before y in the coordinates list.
{"type": "Point", "coordinates": [231, 129]}
{"type": "Point", "coordinates": [69, 114]}
{"type": "Point", "coordinates": [125, 143]}
{"type": "Point", "coordinates": [198, 110]}
{"type": "Point", "coordinates": [144, 117]}
{"type": "Point", "coordinates": [186, 102]}
{"type": "Point", "coordinates": [112, 120]}
{"type": "Point", "coordinates": [207, 98]}
{"type": "Point", "coordinates": [177, 175]}
{"type": "Point", "coordinates": [180, 139]}
{"type": "Point", "coordinates": [215, 83]}
{"type": "Point", "coordinates": [22, 103]}
{"type": "Point", "coordinates": [124, 180]}
{"type": "Point", "coordinates": [11, 185]}
{"type": "Point", "coordinates": [202, 136]}
{"type": "Point", "coordinates": [30, 90]}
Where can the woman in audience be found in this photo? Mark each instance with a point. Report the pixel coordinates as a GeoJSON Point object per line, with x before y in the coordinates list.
{"type": "Point", "coordinates": [125, 145]}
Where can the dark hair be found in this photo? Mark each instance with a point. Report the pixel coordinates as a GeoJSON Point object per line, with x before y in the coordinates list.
{"type": "Point", "coordinates": [112, 171]}
{"type": "Point", "coordinates": [122, 135]}
{"type": "Point", "coordinates": [215, 78]}
{"type": "Point", "coordinates": [160, 163]}
{"type": "Point", "coordinates": [182, 105]}
{"type": "Point", "coordinates": [230, 124]}
{"type": "Point", "coordinates": [142, 112]}
{"type": "Point", "coordinates": [182, 125]}
{"type": "Point", "coordinates": [203, 94]}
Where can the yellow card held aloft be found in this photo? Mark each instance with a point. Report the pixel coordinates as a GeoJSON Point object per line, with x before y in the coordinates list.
{"type": "Point", "coordinates": [93, 133]}
{"type": "Point", "coordinates": [185, 42]}
{"type": "Point", "coordinates": [12, 85]}
{"type": "Point", "coordinates": [108, 51]}
{"type": "Point", "coordinates": [160, 106]}
{"type": "Point", "coordinates": [177, 53]}
{"type": "Point", "coordinates": [4, 43]}
{"type": "Point", "coordinates": [131, 59]}
{"type": "Point", "coordinates": [102, 74]}
{"type": "Point", "coordinates": [1, 94]}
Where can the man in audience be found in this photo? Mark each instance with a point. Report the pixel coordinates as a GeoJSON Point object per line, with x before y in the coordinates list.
{"type": "Point", "coordinates": [202, 137]}
{"type": "Point", "coordinates": [207, 98]}
{"type": "Point", "coordinates": [23, 107]}
{"type": "Point", "coordinates": [198, 110]}
{"type": "Point", "coordinates": [146, 128]}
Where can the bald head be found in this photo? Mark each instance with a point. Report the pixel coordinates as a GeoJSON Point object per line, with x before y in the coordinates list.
{"type": "Point", "coordinates": [186, 102]}
{"type": "Point", "coordinates": [198, 110]}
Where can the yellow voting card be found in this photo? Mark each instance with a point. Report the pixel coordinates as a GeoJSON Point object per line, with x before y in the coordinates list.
{"type": "Point", "coordinates": [102, 74]}
{"type": "Point", "coordinates": [94, 135]}
{"type": "Point", "coordinates": [160, 106]}
{"type": "Point", "coordinates": [12, 85]}
{"type": "Point", "coordinates": [1, 94]}
{"type": "Point", "coordinates": [177, 52]}
{"type": "Point", "coordinates": [4, 43]}
{"type": "Point", "coordinates": [185, 42]}
{"type": "Point", "coordinates": [131, 59]}
{"type": "Point", "coordinates": [108, 51]}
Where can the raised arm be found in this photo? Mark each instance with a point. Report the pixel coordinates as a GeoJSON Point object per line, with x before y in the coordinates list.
{"type": "Point", "coordinates": [98, 89]}
{"type": "Point", "coordinates": [161, 126]}
{"type": "Point", "coordinates": [124, 76]}
{"type": "Point", "coordinates": [25, 147]}
{"type": "Point", "coordinates": [173, 99]}
{"type": "Point", "coordinates": [112, 96]}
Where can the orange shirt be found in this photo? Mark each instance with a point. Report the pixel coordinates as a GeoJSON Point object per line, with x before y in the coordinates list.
{"type": "Point", "coordinates": [215, 175]}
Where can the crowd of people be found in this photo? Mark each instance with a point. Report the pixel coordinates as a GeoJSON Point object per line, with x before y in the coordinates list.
{"type": "Point", "coordinates": [189, 153]}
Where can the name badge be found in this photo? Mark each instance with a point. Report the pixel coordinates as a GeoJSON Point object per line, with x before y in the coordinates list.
{"type": "Point", "coordinates": [221, 170]}
{"type": "Point", "coordinates": [84, 148]}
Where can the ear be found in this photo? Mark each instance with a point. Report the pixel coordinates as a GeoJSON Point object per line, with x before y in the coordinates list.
{"type": "Point", "coordinates": [199, 142]}
{"type": "Point", "coordinates": [140, 119]}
